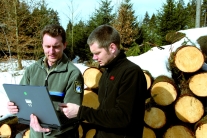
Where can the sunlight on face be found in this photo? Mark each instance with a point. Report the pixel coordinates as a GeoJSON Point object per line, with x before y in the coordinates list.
{"type": "Point", "coordinates": [100, 54]}
{"type": "Point", "coordinates": [53, 48]}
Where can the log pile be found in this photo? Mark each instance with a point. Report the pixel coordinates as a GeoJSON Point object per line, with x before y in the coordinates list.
{"type": "Point", "coordinates": [176, 107]}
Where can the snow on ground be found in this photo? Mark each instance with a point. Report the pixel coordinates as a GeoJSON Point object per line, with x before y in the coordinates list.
{"type": "Point", "coordinates": [155, 61]}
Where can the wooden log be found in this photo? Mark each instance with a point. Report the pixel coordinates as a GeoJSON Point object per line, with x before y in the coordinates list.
{"type": "Point", "coordinates": [188, 58]}
{"type": "Point", "coordinates": [149, 78]}
{"type": "Point", "coordinates": [189, 109]}
{"type": "Point", "coordinates": [148, 133]}
{"type": "Point", "coordinates": [90, 99]}
{"type": "Point", "coordinates": [178, 131]}
{"type": "Point", "coordinates": [80, 131]}
{"type": "Point", "coordinates": [91, 77]}
{"type": "Point", "coordinates": [91, 133]}
{"type": "Point", "coordinates": [164, 90]}
{"type": "Point", "coordinates": [155, 118]}
{"type": "Point", "coordinates": [26, 134]}
{"type": "Point", "coordinates": [201, 128]}
{"type": "Point", "coordinates": [5, 131]}
{"type": "Point", "coordinates": [198, 84]}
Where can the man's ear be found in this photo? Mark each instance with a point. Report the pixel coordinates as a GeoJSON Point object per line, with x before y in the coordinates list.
{"type": "Point", "coordinates": [65, 44]}
{"type": "Point", "coordinates": [112, 48]}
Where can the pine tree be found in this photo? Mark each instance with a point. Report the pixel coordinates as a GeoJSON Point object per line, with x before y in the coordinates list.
{"type": "Point", "coordinates": [172, 18]}
{"type": "Point", "coordinates": [191, 9]}
{"type": "Point", "coordinates": [126, 23]}
{"type": "Point", "coordinates": [102, 15]}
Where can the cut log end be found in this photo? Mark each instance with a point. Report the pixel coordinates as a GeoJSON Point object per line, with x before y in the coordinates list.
{"type": "Point", "coordinates": [197, 84]}
{"type": "Point", "coordinates": [155, 118]}
{"type": "Point", "coordinates": [91, 77]}
{"type": "Point", "coordinates": [148, 133]}
{"type": "Point", "coordinates": [91, 133]}
{"type": "Point", "coordinates": [189, 109]}
{"type": "Point", "coordinates": [189, 59]}
{"type": "Point", "coordinates": [178, 132]}
{"type": "Point", "coordinates": [163, 93]}
{"type": "Point", "coordinates": [5, 131]}
{"type": "Point", "coordinates": [201, 131]}
{"type": "Point", "coordinates": [90, 99]}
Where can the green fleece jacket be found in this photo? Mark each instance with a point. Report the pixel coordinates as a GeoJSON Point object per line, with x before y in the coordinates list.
{"type": "Point", "coordinates": [65, 78]}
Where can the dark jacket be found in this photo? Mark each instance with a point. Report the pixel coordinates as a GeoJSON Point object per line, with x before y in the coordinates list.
{"type": "Point", "coordinates": [64, 78]}
{"type": "Point", "coordinates": [121, 94]}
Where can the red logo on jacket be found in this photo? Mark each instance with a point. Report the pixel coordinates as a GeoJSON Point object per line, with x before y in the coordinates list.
{"type": "Point", "coordinates": [111, 77]}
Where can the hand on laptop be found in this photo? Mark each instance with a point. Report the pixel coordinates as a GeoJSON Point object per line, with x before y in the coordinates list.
{"type": "Point", "coordinates": [36, 126]}
{"type": "Point", "coordinates": [70, 109]}
{"type": "Point", "coordinates": [12, 108]}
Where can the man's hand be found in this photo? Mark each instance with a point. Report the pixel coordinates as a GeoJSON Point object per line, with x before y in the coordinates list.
{"type": "Point", "coordinates": [70, 110]}
{"type": "Point", "coordinates": [36, 126]}
{"type": "Point", "coordinates": [12, 108]}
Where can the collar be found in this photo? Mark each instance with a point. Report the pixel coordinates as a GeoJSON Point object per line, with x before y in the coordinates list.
{"type": "Point", "coordinates": [60, 65]}
{"type": "Point", "coordinates": [115, 61]}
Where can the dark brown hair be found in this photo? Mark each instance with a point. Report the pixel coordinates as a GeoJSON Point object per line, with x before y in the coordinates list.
{"type": "Point", "coordinates": [54, 30]}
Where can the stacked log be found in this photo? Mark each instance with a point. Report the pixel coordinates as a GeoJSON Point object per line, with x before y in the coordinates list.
{"type": "Point", "coordinates": [5, 131]}
{"type": "Point", "coordinates": [180, 100]}
{"type": "Point", "coordinates": [10, 127]}
{"type": "Point", "coordinates": [91, 77]}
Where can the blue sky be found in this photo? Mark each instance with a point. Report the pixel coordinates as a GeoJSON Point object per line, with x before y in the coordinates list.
{"type": "Point", "coordinates": [82, 9]}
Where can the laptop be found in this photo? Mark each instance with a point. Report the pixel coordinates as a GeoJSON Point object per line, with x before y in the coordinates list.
{"type": "Point", "coordinates": [36, 100]}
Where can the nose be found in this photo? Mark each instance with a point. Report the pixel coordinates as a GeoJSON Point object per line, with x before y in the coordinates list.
{"type": "Point", "coordinates": [95, 57]}
{"type": "Point", "coordinates": [52, 49]}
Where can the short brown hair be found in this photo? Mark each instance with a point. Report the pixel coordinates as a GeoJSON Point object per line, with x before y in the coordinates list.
{"type": "Point", "coordinates": [54, 30]}
{"type": "Point", "coordinates": [104, 35]}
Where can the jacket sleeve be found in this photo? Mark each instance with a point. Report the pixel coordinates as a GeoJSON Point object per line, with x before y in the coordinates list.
{"type": "Point", "coordinates": [25, 78]}
{"type": "Point", "coordinates": [75, 88]}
